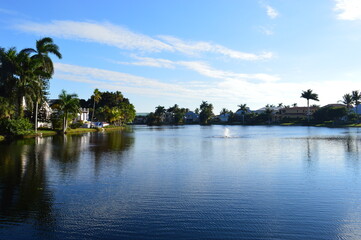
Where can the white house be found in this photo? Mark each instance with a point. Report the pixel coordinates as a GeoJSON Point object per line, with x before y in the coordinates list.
{"type": "Point", "coordinates": [83, 115]}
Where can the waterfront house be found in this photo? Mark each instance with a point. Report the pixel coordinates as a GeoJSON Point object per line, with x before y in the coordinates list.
{"type": "Point", "coordinates": [191, 117]}
{"type": "Point", "coordinates": [224, 117]}
{"type": "Point", "coordinates": [295, 112]}
{"type": "Point", "coordinates": [83, 115]}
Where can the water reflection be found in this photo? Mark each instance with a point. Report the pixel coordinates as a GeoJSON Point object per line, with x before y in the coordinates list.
{"type": "Point", "coordinates": [25, 166]}
{"type": "Point", "coordinates": [107, 146]}
{"type": "Point", "coordinates": [24, 190]}
{"type": "Point", "coordinates": [169, 183]}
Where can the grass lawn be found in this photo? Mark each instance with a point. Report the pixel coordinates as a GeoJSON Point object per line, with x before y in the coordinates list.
{"type": "Point", "coordinates": [81, 130]}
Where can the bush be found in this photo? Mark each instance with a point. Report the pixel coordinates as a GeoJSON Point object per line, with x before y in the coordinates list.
{"type": "Point", "coordinates": [15, 127]}
{"type": "Point", "coordinates": [76, 125]}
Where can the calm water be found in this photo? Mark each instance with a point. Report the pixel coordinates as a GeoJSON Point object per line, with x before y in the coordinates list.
{"type": "Point", "coordinates": [186, 182]}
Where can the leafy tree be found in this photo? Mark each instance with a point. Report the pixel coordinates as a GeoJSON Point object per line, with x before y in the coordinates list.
{"type": "Point", "coordinates": [309, 95]}
{"type": "Point", "coordinates": [347, 99]}
{"type": "Point", "coordinates": [69, 105]}
{"type": "Point", "coordinates": [244, 109]}
{"type": "Point", "coordinates": [329, 114]}
{"type": "Point", "coordinates": [224, 111]}
{"type": "Point", "coordinates": [268, 112]}
{"type": "Point", "coordinates": [112, 107]}
{"type": "Point", "coordinates": [6, 108]}
{"type": "Point", "coordinates": [206, 112]}
{"type": "Point", "coordinates": [356, 97]}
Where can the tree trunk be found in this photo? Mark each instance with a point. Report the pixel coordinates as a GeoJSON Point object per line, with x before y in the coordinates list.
{"type": "Point", "coordinates": [36, 116]}
{"type": "Point", "coordinates": [93, 112]}
{"type": "Point", "coordinates": [65, 122]}
{"type": "Point", "coordinates": [308, 110]}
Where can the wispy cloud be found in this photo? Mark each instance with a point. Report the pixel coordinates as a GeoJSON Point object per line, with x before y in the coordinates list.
{"type": "Point", "coordinates": [123, 38]}
{"type": "Point", "coordinates": [271, 12]}
{"type": "Point", "coordinates": [194, 48]}
{"type": "Point", "coordinates": [201, 68]}
{"type": "Point", "coordinates": [105, 33]}
{"type": "Point", "coordinates": [348, 9]}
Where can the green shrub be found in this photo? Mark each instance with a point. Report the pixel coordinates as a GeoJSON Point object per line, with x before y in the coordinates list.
{"type": "Point", "coordinates": [15, 127]}
{"type": "Point", "coordinates": [76, 125]}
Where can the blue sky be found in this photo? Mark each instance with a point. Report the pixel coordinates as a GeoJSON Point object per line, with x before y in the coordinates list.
{"type": "Point", "coordinates": [225, 52]}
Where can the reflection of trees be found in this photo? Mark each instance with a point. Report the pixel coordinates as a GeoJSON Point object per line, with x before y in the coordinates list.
{"type": "Point", "coordinates": [66, 151]}
{"type": "Point", "coordinates": [23, 188]}
{"type": "Point", "coordinates": [111, 142]}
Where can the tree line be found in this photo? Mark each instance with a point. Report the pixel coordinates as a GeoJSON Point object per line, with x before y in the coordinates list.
{"type": "Point", "coordinates": [177, 115]}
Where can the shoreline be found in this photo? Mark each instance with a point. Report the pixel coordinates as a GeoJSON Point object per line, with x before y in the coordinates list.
{"type": "Point", "coordinates": [48, 133]}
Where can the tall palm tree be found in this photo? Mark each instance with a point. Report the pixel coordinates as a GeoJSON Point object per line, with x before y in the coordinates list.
{"type": "Point", "coordinates": [347, 99]}
{"type": "Point", "coordinates": [97, 96]}
{"type": "Point", "coordinates": [27, 81]}
{"type": "Point", "coordinates": [69, 104]}
{"type": "Point", "coordinates": [244, 109]}
{"type": "Point", "coordinates": [356, 97]}
{"type": "Point", "coordinates": [309, 95]}
{"type": "Point", "coordinates": [44, 47]}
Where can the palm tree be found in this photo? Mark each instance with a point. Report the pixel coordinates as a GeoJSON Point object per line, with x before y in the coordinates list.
{"type": "Point", "coordinates": [159, 114]}
{"type": "Point", "coordinates": [224, 111]}
{"type": "Point", "coordinates": [69, 104]}
{"type": "Point", "coordinates": [356, 97]}
{"type": "Point", "coordinates": [309, 95]}
{"type": "Point", "coordinates": [97, 95]}
{"type": "Point", "coordinates": [27, 81]}
{"type": "Point", "coordinates": [347, 99]}
{"type": "Point", "coordinates": [244, 109]}
{"type": "Point", "coordinates": [44, 47]}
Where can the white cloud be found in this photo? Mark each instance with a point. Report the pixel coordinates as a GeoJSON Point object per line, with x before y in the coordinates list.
{"type": "Point", "coordinates": [120, 37]}
{"type": "Point", "coordinates": [194, 48]}
{"type": "Point", "coordinates": [348, 9]}
{"type": "Point", "coordinates": [228, 90]}
{"type": "Point", "coordinates": [201, 68]}
{"type": "Point", "coordinates": [150, 62]}
{"type": "Point", "coordinates": [105, 33]}
{"type": "Point", "coordinates": [271, 12]}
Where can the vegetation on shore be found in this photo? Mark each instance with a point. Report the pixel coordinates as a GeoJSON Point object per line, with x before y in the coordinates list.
{"type": "Point", "coordinates": [329, 115]}
{"type": "Point", "coordinates": [24, 82]}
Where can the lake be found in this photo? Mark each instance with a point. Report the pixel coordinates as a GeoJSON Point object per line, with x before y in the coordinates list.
{"type": "Point", "coordinates": [184, 182]}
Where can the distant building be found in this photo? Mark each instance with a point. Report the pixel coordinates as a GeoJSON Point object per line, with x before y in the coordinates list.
{"type": "Point", "coordinates": [335, 105]}
{"type": "Point", "coordinates": [224, 117]}
{"type": "Point", "coordinates": [241, 112]}
{"type": "Point", "coordinates": [191, 117]}
{"type": "Point", "coordinates": [83, 115]}
{"type": "Point", "coordinates": [140, 118]}
{"type": "Point", "coordinates": [295, 112]}
{"type": "Point", "coordinates": [263, 110]}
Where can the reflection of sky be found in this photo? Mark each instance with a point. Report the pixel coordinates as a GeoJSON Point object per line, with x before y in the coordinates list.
{"type": "Point", "coordinates": [190, 182]}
